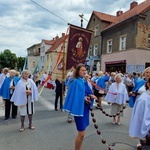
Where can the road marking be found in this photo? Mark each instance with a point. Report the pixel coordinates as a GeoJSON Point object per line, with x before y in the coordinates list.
{"type": "Point", "coordinates": [47, 104]}
{"type": "Point", "coordinates": [50, 106]}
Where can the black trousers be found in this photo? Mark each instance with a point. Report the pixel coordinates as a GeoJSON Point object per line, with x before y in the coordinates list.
{"type": "Point", "coordinates": [58, 95]}
{"type": "Point", "coordinates": [37, 83]}
{"type": "Point", "coordinates": [8, 106]}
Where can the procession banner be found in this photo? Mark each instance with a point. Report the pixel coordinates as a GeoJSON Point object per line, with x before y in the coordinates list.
{"type": "Point", "coordinates": [78, 45]}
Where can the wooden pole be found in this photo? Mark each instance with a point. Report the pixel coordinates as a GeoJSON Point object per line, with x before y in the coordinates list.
{"type": "Point", "coordinates": [63, 73]}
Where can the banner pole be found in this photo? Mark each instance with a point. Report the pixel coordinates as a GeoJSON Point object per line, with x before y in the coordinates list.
{"type": "Point", "coordinates": [63, 75]}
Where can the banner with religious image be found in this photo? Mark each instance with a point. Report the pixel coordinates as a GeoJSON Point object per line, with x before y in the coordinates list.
{"type": "Point", "coordinates": [78, 45]}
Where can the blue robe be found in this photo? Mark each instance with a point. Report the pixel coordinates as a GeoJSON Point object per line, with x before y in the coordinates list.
{"type": "Point", "coordinates": [75, 103]}
{"type": "Point", "coordinates": [101, 82]}
{"type": "Point", "coordinates": [2, 78]}
{"type": "Point", "coordinates": [5, 89]}
{"type": "Point", "coordinates": [137, 86]}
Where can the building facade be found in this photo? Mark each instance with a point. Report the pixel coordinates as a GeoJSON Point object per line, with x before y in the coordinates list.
{"type": "Point", "coordinates": [56, 57]}
{"type": "Point", "coordinates": [118, 41]}
{"type": "Point", "coordinates": [97, 23]}
{"type": "Point", "coordinates": [126, 42]}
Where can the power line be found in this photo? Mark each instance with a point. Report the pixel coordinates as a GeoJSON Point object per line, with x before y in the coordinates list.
{"type": "Point", "coordinates": [48, 11]}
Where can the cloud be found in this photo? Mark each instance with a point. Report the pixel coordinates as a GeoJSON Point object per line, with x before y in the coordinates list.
{"type": "Point", "coordinates": [23, 23]}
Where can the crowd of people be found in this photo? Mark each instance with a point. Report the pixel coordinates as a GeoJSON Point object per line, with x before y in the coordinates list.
{"type": "Point", "coordinates": [18, 92]}
{"type": "Point", "coordinates": [117, 89]}
{"type": "Point", "coordinates": [81, 91]}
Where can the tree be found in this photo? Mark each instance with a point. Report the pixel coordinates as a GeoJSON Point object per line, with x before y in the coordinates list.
{"type": "Point", "coordinates": [20, 62]}
{"type": "Point", "coordinates": [8, 59]}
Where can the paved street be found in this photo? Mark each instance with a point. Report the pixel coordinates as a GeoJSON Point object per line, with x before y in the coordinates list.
{"type": "Point", "coordinates": [54, 133]}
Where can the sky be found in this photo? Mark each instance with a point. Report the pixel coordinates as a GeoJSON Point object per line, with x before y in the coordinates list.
{"type": "Point", "coordinates": [23, 23]}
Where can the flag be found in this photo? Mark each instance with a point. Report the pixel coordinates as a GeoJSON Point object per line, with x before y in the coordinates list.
{"type": "Point", "coordinates": [78, 45]}
{"type": "Point", "coordinates": [36, 68]}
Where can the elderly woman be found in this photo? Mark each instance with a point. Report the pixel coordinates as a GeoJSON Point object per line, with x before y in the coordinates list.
{"type": "Point", "coordinates": [7, 90]}
{"type": "Point", "coordinates": [139, 87]}
{"type": "Point", "coordinates": [117, 95]}
{"type": "Point", "coordinates": [24, 96]}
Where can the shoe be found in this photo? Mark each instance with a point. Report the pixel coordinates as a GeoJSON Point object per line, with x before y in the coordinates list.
{"type": "Point", "coordinates": [139, 146]}
{"type": "Point", "coordinates": [113, 122]}
{"type": "Point", "coordinates": [118, 123]}
{"type": "Point", "coordinates": [31, 127]}
{"type": "Point", "coordinates": [21, 129]}
{"type": "Point", "coordinates": [14, 117]}
{"type": "Point", "coordinates": [6, 119]}
{"type": "Point", "coordinates": [56, 109]}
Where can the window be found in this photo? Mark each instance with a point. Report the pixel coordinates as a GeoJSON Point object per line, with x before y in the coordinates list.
{"type": "Point", "coordinates": [109, 46]}
{"type": "Point", "coordinates": [43, 49]}
{"type": "Point", "coordinates": [149, 41]}
{"type": "Point", "coordinates": [95, 50]}
{"type": "Point", "coordinates": [96, 30]}
{"type": "Point", "coordinates": [90, 51]}
{"type": "Point", "coordinates": [47, 57]}
{"type": "Point", "coordinates": [122, 42]}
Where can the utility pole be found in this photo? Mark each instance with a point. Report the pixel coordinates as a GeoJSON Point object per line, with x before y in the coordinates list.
{"type": "Point", "coordinates": [81, 16]}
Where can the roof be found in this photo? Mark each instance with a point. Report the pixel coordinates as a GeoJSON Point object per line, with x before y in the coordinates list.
{"type": "Point", "coordinates": [57, 42]}
{"type": "Point", "coordinates": [137, 10]}
{"type": "Point", "coordinates": [114, 20]}
{"type": "Point", "coordinates": [104, 17]}
{"type": "Point", "coordinates": [38, 44]}
{"type": "Point", "coordinates": [48, 42]}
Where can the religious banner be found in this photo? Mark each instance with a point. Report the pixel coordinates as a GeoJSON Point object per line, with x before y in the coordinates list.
{"type": "Point", "coordinates": [78, 45]}
{"type": "Point", "coordinates": [59, 72]}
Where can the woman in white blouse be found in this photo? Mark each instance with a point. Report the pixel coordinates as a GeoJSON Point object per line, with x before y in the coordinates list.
{"type": "Point", "coordinates": [117, 95]}
{"type": "Point", "coordinates": [24, 96]}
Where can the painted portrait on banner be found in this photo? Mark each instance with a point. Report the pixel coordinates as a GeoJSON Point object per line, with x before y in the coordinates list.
{"type": "Point", "coordinates": [59, 71]}
{"type": "Point", "coordinates": [61, 64]}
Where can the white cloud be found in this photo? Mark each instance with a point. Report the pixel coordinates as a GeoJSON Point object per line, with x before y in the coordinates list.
{"type": "Point", "coordinates": [23, 23]}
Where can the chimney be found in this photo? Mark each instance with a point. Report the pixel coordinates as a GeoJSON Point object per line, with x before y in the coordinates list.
{"type": "Point", "coordinates": [133, 4]}
{"type": "Point", "coordinates": [118, 13]}
{"type": "Point", "coordinates": [63, 34]}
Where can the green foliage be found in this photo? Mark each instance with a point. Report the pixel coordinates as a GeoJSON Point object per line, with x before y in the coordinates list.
{"type": "Point", "coordinates": [10, 60]}
{"type": "Point", "coordinates": [20, 63]}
